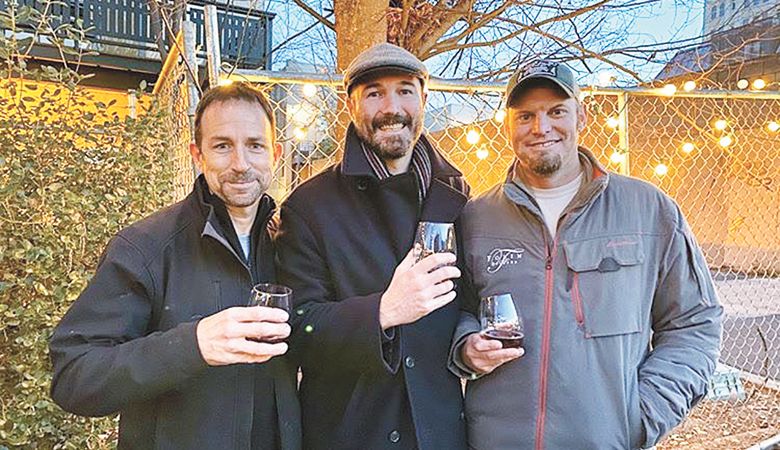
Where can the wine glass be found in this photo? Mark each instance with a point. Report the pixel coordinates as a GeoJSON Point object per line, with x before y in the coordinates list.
{"type": "Point", "coordinates": [499, 320]}
{"type": "Point", "coordinates": [434, 237]}
{"type": "Point", "coordinates": [271, 295]}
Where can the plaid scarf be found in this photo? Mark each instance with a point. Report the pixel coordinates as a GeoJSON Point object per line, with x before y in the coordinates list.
{"type": "Point", "coordinates": [420, 166]}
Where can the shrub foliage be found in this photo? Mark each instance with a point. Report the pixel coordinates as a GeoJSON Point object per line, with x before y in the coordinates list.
{"type": "Point", "coordinates": [73, 171]}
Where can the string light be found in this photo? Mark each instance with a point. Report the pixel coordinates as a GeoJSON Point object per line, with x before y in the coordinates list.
{"type": "Point", "coordinates": [689, 86]}
{"type": "Point", "coordinates": [606, 78]}
{"type": "Point", "coordinates": [688, 147]}
{"type": "Point", "coordinates": [613, 122]}
{"type": "Point", "coordinates": [759, 83]}
{"type": "Point", "coordinates": [225, 82]}
{"type": "Point", "coordinates": [299, 133]}
{"type": "Point", "coordinates": [309, 90]}
{"type": "Point", "coordinates": [721, 124]}
{"type": "Point", "coordinates": [617, 158]}
{"type": "Point", "coordinates": [500, 115]}
{"type": "Point", "coordinates": [725, 141]}
{"type": "Point", "coordinates": [669, 90]}
{"type": "Point", "coordinates": [661, 169]}
{"type": "Point", "coordinates": [743, 83]}
{"type": "Point", "coordinates": [482, 152]}
{"type": "Point", "coordinates": [472, 137]}
{"type": "Point", "coordinates": [773, 126]}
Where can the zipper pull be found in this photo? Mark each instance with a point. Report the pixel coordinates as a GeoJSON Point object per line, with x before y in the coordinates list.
{"type": "Point", "coordinates": [548, 265]}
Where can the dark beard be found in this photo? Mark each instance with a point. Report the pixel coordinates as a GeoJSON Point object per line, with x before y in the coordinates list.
{"type": "Point", "coordinates": [546, 167]}
{"type": "Point", "coordinates": [394, 148]}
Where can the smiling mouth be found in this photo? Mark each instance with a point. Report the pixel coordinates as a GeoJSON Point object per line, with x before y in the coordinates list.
{"type": "Point", "coordinates": [545, 144]}
{"type": "Point", "coordinates": [391, 127]}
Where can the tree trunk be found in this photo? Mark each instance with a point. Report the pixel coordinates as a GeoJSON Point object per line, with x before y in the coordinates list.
{"type": "Point", "coordinates": [360, 24]}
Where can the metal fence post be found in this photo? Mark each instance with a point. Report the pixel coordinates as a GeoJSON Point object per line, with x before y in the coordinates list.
{"type": "Point", "coordinates": [625, 167]}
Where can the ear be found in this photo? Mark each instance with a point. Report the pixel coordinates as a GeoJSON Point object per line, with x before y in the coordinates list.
{"type": "Point", "coordinates": [351, 105]}
{"type": "Point", "coordinates": [277, 151]}
{"type": "Point", "coordinates": [582, 117]}
{"type": "Point", "coordinates": [197, 155]}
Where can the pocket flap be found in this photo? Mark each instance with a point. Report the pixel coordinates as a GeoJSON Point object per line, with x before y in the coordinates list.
{"type": "Point", "coordinates": [604, 254]}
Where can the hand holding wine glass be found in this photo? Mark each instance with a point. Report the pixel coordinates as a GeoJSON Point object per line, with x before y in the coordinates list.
{"type": "Point", "coordinates": [501, 337]}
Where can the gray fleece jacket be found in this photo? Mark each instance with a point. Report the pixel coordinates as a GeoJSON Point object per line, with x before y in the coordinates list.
{"type": "Point", "coordinates": [622, 322]}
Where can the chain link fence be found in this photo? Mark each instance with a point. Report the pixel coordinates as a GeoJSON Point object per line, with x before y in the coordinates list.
{"type": "Point", "coordinates": [716, 154]}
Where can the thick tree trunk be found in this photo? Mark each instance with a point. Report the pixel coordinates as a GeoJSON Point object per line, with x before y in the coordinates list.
{"type": "Point", "coordinates": [359, 25]}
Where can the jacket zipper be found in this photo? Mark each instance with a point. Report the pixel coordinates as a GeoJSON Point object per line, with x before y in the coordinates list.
{"type": "Point", "coordinates": [546, 330]}
{"type": "Point", "coordinates": [577, 299]}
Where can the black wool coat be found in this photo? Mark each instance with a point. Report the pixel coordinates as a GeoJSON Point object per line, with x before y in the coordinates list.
{"type": "Point", "coordinates": [128, 344]}
{"type": "Point", "coordinates": [341, 235]}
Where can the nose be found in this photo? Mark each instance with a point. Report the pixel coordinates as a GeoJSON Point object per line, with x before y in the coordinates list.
{"type": "Point", "coordinates": [391, 103]}
{"type": "Point", "coordinates": [541, 124]}
{"type": "Point", "coordinates": [239, 162]}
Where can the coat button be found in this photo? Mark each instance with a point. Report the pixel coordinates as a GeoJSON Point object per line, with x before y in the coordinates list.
{"type": "Point", "coordinates": [362, 185]}
{"type": "Point", "coordinates": [409, 362]}
{"type": "Point", "coordinates": [394, 436]}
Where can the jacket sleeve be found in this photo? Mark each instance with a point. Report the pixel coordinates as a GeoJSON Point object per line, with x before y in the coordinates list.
{"type": "Point", "coordinates": [468, 323]}
{"type": "Point", "coordinates": [686, 318]}
{"type": "Point", "coordinates": [338, 333]}
{"type": "Point", "coordinates": [103, 354]}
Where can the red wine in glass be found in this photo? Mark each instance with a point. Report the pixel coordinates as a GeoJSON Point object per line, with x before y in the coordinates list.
{"type": "Point", "coordinates": [499, 320]}
{"type": "Point", "coordinates": [508, 338]}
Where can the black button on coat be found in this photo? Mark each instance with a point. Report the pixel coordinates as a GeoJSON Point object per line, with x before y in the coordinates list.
{"type": "Point", "coordinates": [341, 235]}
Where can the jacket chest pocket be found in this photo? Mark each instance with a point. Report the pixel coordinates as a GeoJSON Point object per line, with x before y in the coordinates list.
{"type": "Point", "coordinates": [605, 280]}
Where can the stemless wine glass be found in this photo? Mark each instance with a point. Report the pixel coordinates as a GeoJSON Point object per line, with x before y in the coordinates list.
{"type": "Point", "coordinates": [271, 295]}
{"type": "Point", "coordinates": [499, 320]}
{"type": "Point", "coordinates": [434, 237]}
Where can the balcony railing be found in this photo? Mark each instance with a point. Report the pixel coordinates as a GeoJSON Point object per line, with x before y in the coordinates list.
{"type": "Point", "coordinates": [245, 35]}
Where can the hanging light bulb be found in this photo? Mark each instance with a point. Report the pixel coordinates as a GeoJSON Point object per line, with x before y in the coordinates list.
{"type": "Point", "coordinates": [721, 124]}
{"type": "Point", "coordinates": [617, 158]}
{"type": "Point", "coordinates": [688, 147]}
{"type": "Point", "coordinates": [613, 122]}
{"type": "Point", "coordinates": [299, 133]}
{"type": "Point", "coordinates": [661, 169]}
{"type": "Point", "coordinates": [773, 126]}
{"type": "Point", "coordinates": [500, 115]}
{"type": "Point", "coordinates": [743, 83]}
{"type": "Point", "coordinates": [669, 90]}
{"type": "Point", "coordinates": [472, 137]}
{"type": "Point", "coordinates": [225, 82]}
{"type": "Point", "coordinates": [689, 86]}
{"type": "Point", "coordinates": [759, 84]}
{"type": "Point", "coordinates": [482, 152]}
{"type": "Point", "coordinates": [309, 90]}
{"type": "Point", "coordinates": [725, 141]}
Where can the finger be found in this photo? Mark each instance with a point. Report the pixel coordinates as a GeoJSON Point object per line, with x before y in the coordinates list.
{"type": "Point", "coordinates": [259, 330]}
{"type": "Point", "coordinates": [439, 289]}
{"type": "Point", "coordinates": [430, 262]}
{"type": "Point", "coordinates": [441, 300]}
{"type": "Point", "coordinates": [264, 314]}
{"type": "Point", "coordinates": [503, 355]}
{"type": "Point", "coordinates": [484, 344]}
{"type": "Point", "coordinates": [407, 262]}
{"type": "Point", "coordinates": [443, 273]}
{"type": "Point", "coordinates": [252, 349]}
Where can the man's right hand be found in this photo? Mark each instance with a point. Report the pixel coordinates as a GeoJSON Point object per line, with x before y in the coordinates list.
{"type": "Point", "coordinates": [223, 338]}
{"type": "Point", "coordinates": [483, 355]}
{"type": "Point", "coordinates": [418, 289]}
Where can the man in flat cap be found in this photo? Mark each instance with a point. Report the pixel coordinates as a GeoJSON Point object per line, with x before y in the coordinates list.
{"type": "Point", "coordinates": [371, 327]}
{"type": "Point", "coordinates": [622, 323]}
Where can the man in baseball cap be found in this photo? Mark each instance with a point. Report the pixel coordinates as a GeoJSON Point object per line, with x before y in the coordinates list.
{"type": "Point", "coordinates": [622, 323]}
{"type": "Point", "coordinates": [371, 325]}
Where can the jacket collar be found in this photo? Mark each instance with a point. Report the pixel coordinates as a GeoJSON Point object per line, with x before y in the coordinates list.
{"type": "Point", "coordinates": [215, 217]}
{"type": "Point", "coordinates": [354, 162]}
{"type": "Point", "coordinates": [596, 179]}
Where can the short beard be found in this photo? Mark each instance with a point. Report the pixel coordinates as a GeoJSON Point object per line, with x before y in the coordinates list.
{"type": "Point", "coordinates": [545, 167]}
{"type": "Point", "coordinates": [396, 147]}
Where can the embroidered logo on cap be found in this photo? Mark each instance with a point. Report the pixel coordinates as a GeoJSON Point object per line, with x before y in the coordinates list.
{"type": "Point", "coordinates": [549, 68]}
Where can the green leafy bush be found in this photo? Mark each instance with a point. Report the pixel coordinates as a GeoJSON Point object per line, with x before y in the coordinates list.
{"type": "Point", "coordinates": [72, 173]}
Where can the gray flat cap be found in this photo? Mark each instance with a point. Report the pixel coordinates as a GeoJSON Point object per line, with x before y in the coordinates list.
{"type": "Point", "coordinates": [383, 58]}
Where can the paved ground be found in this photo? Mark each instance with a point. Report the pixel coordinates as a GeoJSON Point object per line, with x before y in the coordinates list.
{"type": "Point", "coordinates": [752, 307]}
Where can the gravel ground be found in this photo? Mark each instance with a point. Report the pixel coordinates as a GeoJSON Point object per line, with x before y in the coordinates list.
{"type": "Point", "coordinates": [729, 424]}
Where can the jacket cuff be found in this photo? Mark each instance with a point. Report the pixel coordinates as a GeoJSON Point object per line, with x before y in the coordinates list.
{"type": "Point", "coordinates": [183, 350]}
{"type": "Point", "coordinates": [467, 325]}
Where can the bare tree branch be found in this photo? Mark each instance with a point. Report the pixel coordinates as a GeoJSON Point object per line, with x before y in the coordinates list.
{"type": "Point", "coordinates": [315, 14]}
